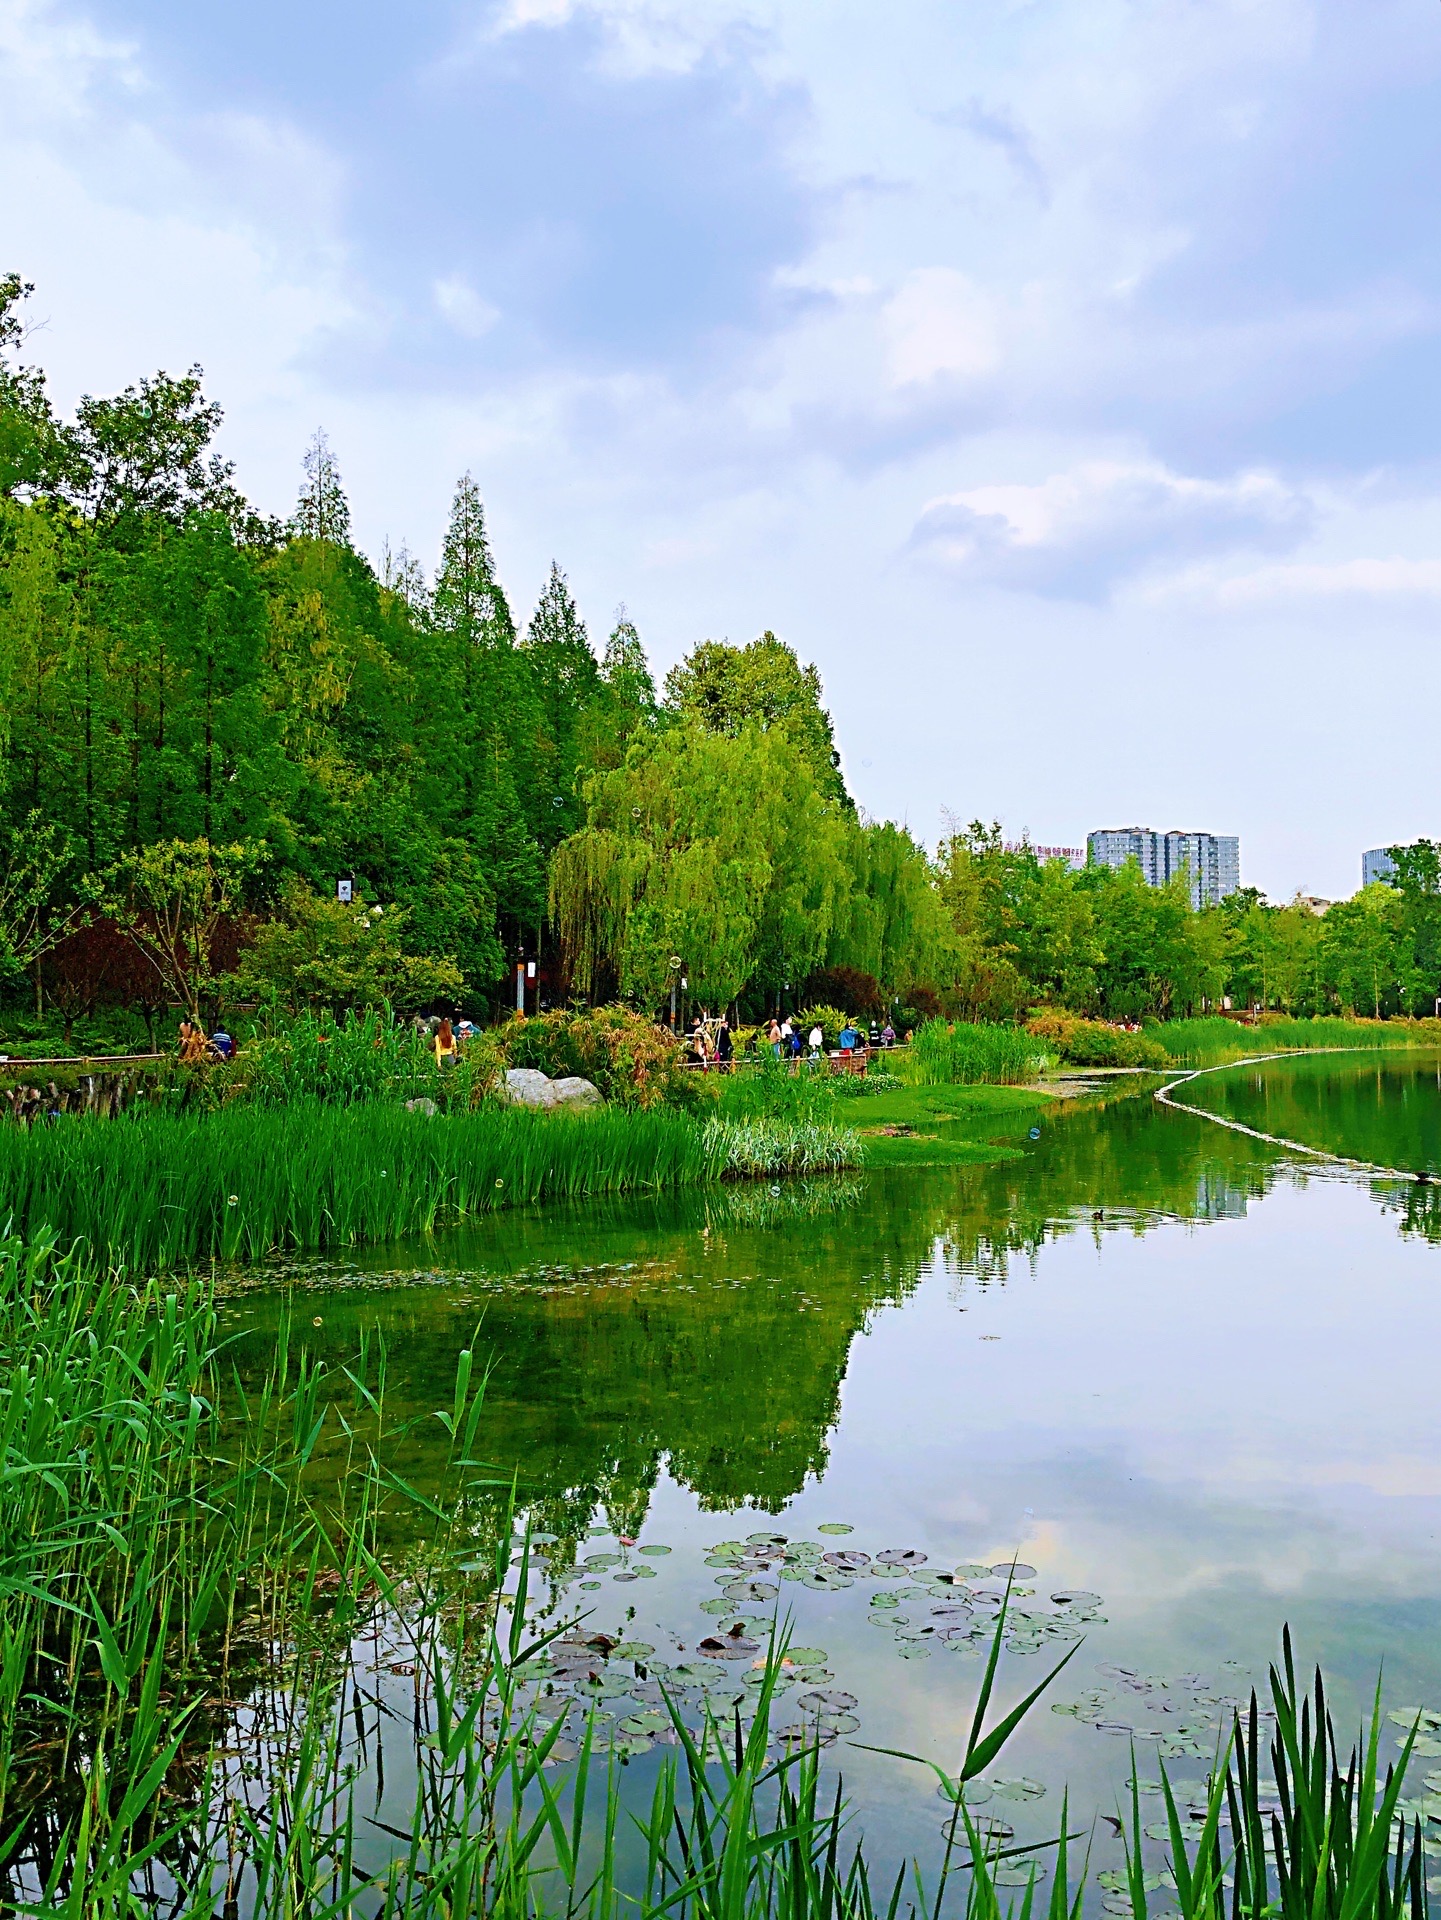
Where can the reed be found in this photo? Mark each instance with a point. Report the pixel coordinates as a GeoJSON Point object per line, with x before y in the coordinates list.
{"type": "Point", "coordinates": [945, 1052]}
{"type": "Point", "coordinates": [1209, 1042]}
{"type": "Point", "coordinates": [156, 1191]}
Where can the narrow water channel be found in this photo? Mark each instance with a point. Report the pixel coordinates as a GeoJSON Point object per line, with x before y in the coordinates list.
{"type": "Point", "coordinates": [1189, 1379]}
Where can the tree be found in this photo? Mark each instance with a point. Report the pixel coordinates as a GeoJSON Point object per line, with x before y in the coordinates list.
{"type": "Point", "coordinates": [725, 689]}
{"type": "Point", "coordinates": [566, 679]}
{"type": "Point", "coordinates": [143, 454]}
{"type": "Point", "coordinates": [170, 899]}
{"type": "Point", "coordinates": [27, 427]}
{"type": "Point", "coordinates": [1417, 878]}
{"type": "Point", "coordinates": [322, 511]}
{"type": "Point", "coordinates": [1368, 955]}
{"type": "Point", "coordinates": [625, 701]}
{"type": "Point", "coordinates": [719, 851]}
{"type": "Point", "coordinates": [322, 952]}
{"type": "Point", "coordinates": [35, 913]}
{"type": "Point", "coordinates": [469, 600]}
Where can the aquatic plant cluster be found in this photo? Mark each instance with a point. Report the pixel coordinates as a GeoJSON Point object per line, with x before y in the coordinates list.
{"type": "Point", "coordinates": [160, 1190]}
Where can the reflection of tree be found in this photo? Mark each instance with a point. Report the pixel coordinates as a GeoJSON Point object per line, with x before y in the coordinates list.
{"type": "Point", "coordinates": [709, 1334]}
{"type": "Point", "coordinates": [685, 1333]}
{"type": "Point", "coordinates": [1382, 1111]}
{"type": "Point", "coordinates": [1120, 1168]}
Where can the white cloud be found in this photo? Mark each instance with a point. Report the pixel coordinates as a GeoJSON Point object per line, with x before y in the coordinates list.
{"type": "Point", "coordinates": [1388, 580]}
{"type": "Point", "coordinates": [1078, 533]}
{"type": "Point", "coordinates": [464, 308]}
{"type": "Point", "coordinates": [940, 322]}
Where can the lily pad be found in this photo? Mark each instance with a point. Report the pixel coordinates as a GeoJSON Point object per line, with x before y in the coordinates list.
{"type": "Point", "coordinates": [821, 1700]}
{"type": "Point", "coordinates": [1017, 1787]}
{"type": "Point", "coordinates": [906, 1557]}
{"type": "Point", "coordinates": [626, 1576]}
{"type": "Point", "coordinates": [969, 1570]}
{"type": "Point", "coordinates": [650, 1722]}
{"type": "Point", "coordinates": [828, 1579]}
{"type": "Point", "coordinates": [835, 1526]}
{"type": "Point", "coordinates": [755, 1591]}
{"type": "Point", "coordinates": [1076, 1599]}
{"type": "Point", "coordinates": [766, 1539]}
{"type": "Point", "coordinates": [1003, 1570]}
{"type": "Point", "coordinates": [632, 1650]}
{"type": "Point", "coordinates": [596, 1562]}
{"type": "Point", "coordinates": [590, 1586]}
{"type": "Point", "coordinates": [719, 1605]}
{"type": "Point", "coordinates": [850, 1559]}
{"type": "Point", "coordinates": [976, 1793]}
{"type": "Point", "coordinates": [838, 1723]}
{"type": "Point", "coordinates": [657, 1550]}
{"type": "Point", "coordinates": [807, 1656]}
{"type": "Point", "coordinates": [885, 1600]}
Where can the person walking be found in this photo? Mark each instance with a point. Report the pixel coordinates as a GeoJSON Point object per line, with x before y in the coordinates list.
{"type": "Point", "coordinates": [445, 1044]}
{"type": "Point", "coordinates": [724, 1046]}
{"type": "Point", "coordinates": [774, 1037]}
{"type": "Point", "coordinates": [700, 1052]}
{"type": "Point", "coordinates": [817, 1040]}
{"type": "Point", "coordinates": [888, 1035]}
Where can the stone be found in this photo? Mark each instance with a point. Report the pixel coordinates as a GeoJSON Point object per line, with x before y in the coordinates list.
{"type": "Point", "coordinates": [423, 1105]}
{"type": "Point", "coordinates": [572, 1091]}
{"type": "Point", "coordinates": [529, 1087]}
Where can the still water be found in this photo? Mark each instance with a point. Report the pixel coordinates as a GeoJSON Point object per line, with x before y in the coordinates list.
{"type": "Point", "coordinates": [1189, 1378]}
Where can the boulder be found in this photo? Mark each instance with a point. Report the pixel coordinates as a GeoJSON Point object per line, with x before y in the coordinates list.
{"type": "Point", "coordinates": [422, 1105]}
{"type": "Point", "coordinates": [572, 1091]}
{"type": "Point", "coordinates": [529, 1087]}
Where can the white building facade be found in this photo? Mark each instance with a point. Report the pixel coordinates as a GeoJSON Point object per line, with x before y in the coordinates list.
{"type": "Point", "coordinates": [1210, 861]}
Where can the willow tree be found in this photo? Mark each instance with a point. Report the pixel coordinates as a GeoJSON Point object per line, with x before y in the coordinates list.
{"type": "Point", "coordinates": [891, 921]}
{"type": "Point", "coordinates": [718, 852]}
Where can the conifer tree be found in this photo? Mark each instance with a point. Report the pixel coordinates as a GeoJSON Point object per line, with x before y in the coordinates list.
{"type": "Point", "coordinates": [469, 599]}
{"type": "Point", "coordinates": [625, 669]}
{"type": "Point", "coordinates": [322, 511]}
{"type": "Point", "coordinates": [567, 679]}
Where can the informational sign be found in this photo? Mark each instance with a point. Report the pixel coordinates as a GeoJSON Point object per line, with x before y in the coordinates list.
{"type": "Point", "coordinates": [345, 891]}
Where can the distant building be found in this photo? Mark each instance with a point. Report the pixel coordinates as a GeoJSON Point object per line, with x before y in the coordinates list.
{"type": "Point", "coordinates": [1377, 865]}
{"type": "Point", "coordinates": [1074, 857]}
{"type": "Point", "coordinates": [1211, 861]}
{"type": "Point", "coordinates": [1313, 903]}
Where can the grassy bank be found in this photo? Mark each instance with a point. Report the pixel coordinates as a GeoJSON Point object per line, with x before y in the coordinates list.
{"type": "Point", "coordinates": [1211, 1042]}
{"type": "Point", "coordinates": [157, 1190]}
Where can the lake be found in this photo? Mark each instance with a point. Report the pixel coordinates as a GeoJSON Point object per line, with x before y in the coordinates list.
{"type": "Point", "coordinates": [1187, 1377]}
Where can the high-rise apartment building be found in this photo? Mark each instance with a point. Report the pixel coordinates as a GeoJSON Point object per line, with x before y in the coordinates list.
{"type": "Point", "coordinates": [1377, 864]}
{"type": "Point", "coordinates": [1211, 861]}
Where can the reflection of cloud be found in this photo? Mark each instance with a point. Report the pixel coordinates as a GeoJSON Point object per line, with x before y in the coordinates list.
{"type": "Point", "coordinates": [1077, 533]}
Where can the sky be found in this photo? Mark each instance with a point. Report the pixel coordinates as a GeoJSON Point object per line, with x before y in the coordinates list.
{"type": "Point", "coordinates": [1060, 375]}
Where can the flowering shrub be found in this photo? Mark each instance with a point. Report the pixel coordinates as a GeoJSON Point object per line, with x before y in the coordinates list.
{"type": "Point", "coordinates": [1091, 1043]}
{"type": "Point", "coordinates": [629, 1058]}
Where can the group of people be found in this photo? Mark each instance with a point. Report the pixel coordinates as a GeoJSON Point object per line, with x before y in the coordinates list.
{"type": "Point", "coordinates": [785, 1041]}
{"type": "Point", "coordinates": [196, 1044]}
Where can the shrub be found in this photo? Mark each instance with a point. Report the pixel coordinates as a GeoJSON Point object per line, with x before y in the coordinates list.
{"type": "Point", "coordinates": [1091, 1043]}
{"type": "Point", "coordinates": [629, 1058]}
{"type": "Point", "coordinates": [848, 987]}
{"type": "Point", "coordinates": [830, 1020]}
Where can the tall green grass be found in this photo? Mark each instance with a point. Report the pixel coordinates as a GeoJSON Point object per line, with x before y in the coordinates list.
{"type": "Point", "coordinates": [949, 1051]}
{"type": "Point", "coordinates": [155, 1191]}
{"type": "Point", "coordinates": [1209, 1042]}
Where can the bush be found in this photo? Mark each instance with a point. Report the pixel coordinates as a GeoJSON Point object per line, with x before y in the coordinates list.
{"type": "Point", "coordinates": [629, 1058]}
{"type": "Point", "coordinates": [830, 1020]}
{"type": "Point", "coordinates": [848, 987]}
{"type": "Point", "coordinates": [1091, 1043]}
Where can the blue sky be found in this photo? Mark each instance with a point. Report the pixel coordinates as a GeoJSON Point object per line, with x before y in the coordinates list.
{"type": "Point", "coordinates": [1060, 375]}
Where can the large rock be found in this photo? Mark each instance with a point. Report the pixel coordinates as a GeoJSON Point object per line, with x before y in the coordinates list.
{"type": "Point", "coordinates": [572, 1091]}
{"type": "Point", "coordinates": [529, 1087]}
